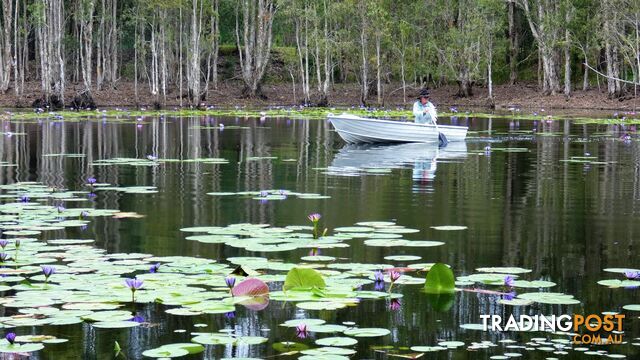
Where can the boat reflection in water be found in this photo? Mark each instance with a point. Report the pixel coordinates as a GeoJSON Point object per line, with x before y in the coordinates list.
{"type": "Point", "coordinates": [376, 159]}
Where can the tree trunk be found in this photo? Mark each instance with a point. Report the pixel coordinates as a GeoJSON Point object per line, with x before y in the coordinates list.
{"type": "Point", "coordinates": [193, 70]}
{"type": "Point", "coordinates": [567, 56]}
{"type": "Point", "coordinates": [86, 44]}
{"type": "Point", "coordinates": [5, 42]}
{"type": "Point", "coordinates": [49, 36]}
{"type": "Point", "coordinates": [254, 44]}
{"type": "Point", "coordinates": [378, 71]}
{"type": "Point", "coordinates": [545, 26]}
{"type": "Point", "coordinates": [513, 43]}
{"type": "Point", "coordinates": [215, 46]}
{"type": "Point", "coordinates": [303, 60]}
{"type": "Point", "coordinates": [365, 66]}
{"type": "Point", "coordinates": [489, 68]}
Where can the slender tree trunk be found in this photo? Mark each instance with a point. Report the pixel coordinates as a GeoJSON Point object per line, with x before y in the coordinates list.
{"type": "Point", "coordinates": [365, 62]}
{"type": "Point", "coordinates": [567, 56]}
{"type": "Point", "coordinates": [254, 44]}
{"type": "Point", "coordinates": [49, 35]}
{"type": "Point", "coordinates": [136, 43]}
{"type": "Point", "coordinates": [6, 53]}
{"type": "Point", "coordinates": [545, 31]}
{"type": "Point", "coordinates": [489, 68]}
{"type": "Point", "coordinates": [86, 45]}
{"type": "Point", "coordinates": [303, 60]}
{"type": "Point", "coordinates": [16, 42]}
{"type": "Point", "coordinates": [378, 70]}
{"type": "Point", "coordinates": [324, 93]}
{"type": "Point", "coordinates": [215, 34]}
{"type": "Point", "coordinates": [193, 70]}
{"type": "Point", "coordinates": [513, 43]}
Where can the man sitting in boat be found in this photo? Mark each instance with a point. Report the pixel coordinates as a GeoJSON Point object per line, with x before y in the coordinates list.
{"type": "Point", "coordinates": [423, 109]}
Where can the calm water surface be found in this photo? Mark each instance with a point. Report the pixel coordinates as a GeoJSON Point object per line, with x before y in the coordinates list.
{"type": "Point", "coordinates": [565, 221]}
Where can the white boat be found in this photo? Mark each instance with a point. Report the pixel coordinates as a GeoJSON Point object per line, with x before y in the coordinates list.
{"type": "Point", "coordinates": [356, 129]}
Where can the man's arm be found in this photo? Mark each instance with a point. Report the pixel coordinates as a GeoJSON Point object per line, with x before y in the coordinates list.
{"type": "Point", "coordinates": [417, 111]}
{"type": "Point", "coordinates": [433, 113]}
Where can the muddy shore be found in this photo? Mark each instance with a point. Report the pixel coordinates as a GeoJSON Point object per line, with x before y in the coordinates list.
{"type": "Point", "coordinates": [228, 95]}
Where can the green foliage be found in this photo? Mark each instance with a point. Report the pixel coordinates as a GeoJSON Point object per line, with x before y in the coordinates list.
{"type": "Point", "coordinates": [303, 279]}
{"type": "Point", "coordinates": [440, 280]}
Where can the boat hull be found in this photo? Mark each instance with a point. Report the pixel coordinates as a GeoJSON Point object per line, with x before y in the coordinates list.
{"type": "Point", "coordinates": [355, 129]}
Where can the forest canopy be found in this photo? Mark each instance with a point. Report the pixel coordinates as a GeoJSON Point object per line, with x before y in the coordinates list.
{"type": "Point", "coordinates": [185, 48]}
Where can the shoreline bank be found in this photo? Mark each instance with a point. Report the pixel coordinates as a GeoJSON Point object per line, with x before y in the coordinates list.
{"type": "Point", "coordinates": [228, 95]}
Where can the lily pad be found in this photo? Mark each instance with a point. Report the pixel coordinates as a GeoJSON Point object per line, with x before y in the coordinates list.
{"type": "Point", "coordinates": [336, 341]}
{"type": "Point", "coordinates": [367, 332]}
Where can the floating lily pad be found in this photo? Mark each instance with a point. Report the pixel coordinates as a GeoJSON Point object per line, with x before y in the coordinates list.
{"type": "Point", "coordinates": [174, 350]}
{"type": "Point", "coordinates": [336, 341]}
{"type": "Point", "coordinates": [115, 324]}
{"type": "Point", "coordinates": [367, 332]}
{"type": "Point", "coordinates": [449, 227]}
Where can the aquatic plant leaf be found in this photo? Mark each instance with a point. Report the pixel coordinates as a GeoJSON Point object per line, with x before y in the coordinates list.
{"type": "Point", "coordinates": [427, 348]}
{"type": "Point", "coordinates": [250, 287]}
{"type": "Point", "coordinates": [449, 227]}
{"type": "Point", "coordinates": [326, 328]}
{"type": "Point", "coordinates": [402, 257]}
{"type": "Point", "coordinates": [550, 298]}
{"type": "Point", "coordinates": [336, 341]}
{"type": "Point", "coordinates": [115, 324]}
{"type": "Point", "coordinates": [5, 347]}
{"type": "Point", "coordinates": [440, 280]}
{"type": "Point", "coordinates": [223, 339]}
{"type": "Point", "coordinates": [367, 332]}
{"type": "Point", "coordinates": [303, 279]}
{"type": "Point", "coordinates": [504, 270]}
{"type": "Point", "coordinates": [288, 347]}
{"type": "Point", "coordinates": [174, 350]}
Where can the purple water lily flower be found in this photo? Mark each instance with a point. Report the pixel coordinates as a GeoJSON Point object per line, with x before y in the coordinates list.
{"type": "Point", "coordinates": [509, 296]}
{"type": "Point", "coordinates": [84, 214]}
{"type": "Point", "coordinates": [378, 276]}
{"type": "Point", "coordinates": [133, 284]}
{"type": "Point", "coordinates": [509, 281]}
{"type": "Point", "coordinates": [264, 193]}
{"type": "Point", "coordinates": [24, 199]}
{"type": "Point", "coordinates": [91, 180]}
{"type": "Point", "coordinates": [60, 208]}
{"type": "Point", "coordinates": [47, 271]}
{"type": "Point", "coordinates": [632, 275]}
{"type": "Point", "coordinates": [11, 337]}
{"type": "Point", "coordinates": [3, 243]}
{"type": "Point", "coordinates": [230, 315]}
{"type": "Point", "coordinates": [231, 281]}
{"type": "Point", "coordinates": [301, 331]}
{"type": "Point", "coordinates": [315, 217]}
{"type": "Point", "coordinates": [91, 195]}
{"type": "Point", "coordinates": [394, 276]}
{"type": "Point", "coordinates": [138, 318]}
{"type": "Point", "coordinates": [154, 268]}
{"type": "Point", "coordinates": [4, 257]}
{"type": "Point", "coordinates": [395, 305]}
{"type": "Point", "coordinates": [379, 286]}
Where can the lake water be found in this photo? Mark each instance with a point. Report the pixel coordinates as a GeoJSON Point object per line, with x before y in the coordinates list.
{"type": "Point", "coordinates": [523, 205]}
